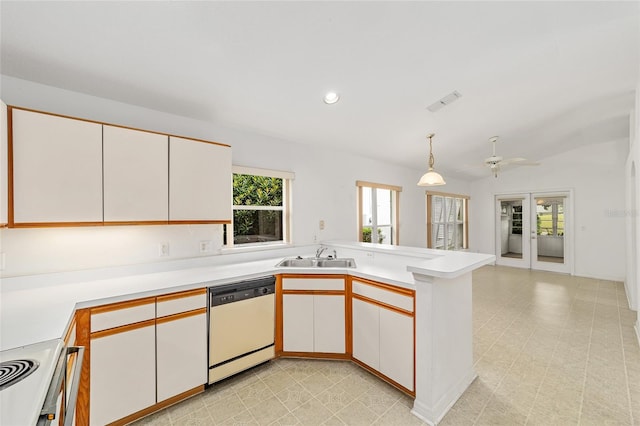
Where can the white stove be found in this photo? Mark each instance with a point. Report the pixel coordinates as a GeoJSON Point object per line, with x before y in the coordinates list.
{"type": "Point", "coordinates": [22, 397]}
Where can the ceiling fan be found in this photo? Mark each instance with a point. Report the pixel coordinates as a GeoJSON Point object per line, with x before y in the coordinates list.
{"type": "Point", "coordinates": [495, 162]}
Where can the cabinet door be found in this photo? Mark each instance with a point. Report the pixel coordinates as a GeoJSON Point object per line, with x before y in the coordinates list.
{"type": "Point", "coordinates": [328, 324]}
{"type": "Point", "coordinates": [123, 373]}
{"type": "Point", "coordinates": [57, 169]}
{"type": "Point", "coordinates": [182, 354]}
{"type": "Point", "coordinates": [366, 333]}
{"type": "Point", "coordinates": [200, 181]}
{"type": "Point", "coordinates": [396, 347]}
{"type": "Point", "coordinates": [4, 191]}
{"type": "Point", "coordinates": [136, 175]}
{"type": "Point", "coordinates": [297, 323]}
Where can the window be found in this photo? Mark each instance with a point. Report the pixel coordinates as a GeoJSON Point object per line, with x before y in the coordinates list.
{"type": "Point", "coordinates": [378, 213]}
{"type": "Point", "coordinates": [447, 221]}
{"type": "Point", "coordinates": [516, 220]}
{"type": "Point", "coordinates": [261, 213]}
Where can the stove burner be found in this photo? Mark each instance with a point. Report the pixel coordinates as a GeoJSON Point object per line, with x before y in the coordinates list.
{"type": "Point", "coordinates": [11, 372]}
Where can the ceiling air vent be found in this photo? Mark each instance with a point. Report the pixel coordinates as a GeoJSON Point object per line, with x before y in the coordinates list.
{"type": "Point", "coordinates": [450, 98]}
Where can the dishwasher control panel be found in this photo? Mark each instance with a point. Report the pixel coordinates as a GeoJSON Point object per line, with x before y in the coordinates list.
{"type": "Point", "coordinates": [235, 292]}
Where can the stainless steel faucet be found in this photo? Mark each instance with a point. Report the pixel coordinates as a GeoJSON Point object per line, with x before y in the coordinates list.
{"type": "Point", "coordinates": [320, 251]}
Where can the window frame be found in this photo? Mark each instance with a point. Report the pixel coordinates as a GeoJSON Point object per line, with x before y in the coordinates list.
{"type": "Point", "coordinates": [465, 199]}
{"type": "Point", "coordinates": [287, 183]}
{"type": "Point", "coordinates": [395, 210]}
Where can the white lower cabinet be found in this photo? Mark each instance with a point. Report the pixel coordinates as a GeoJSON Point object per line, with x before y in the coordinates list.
{"type": "Point", "coordinates": [366, 333]}
{"type": "Point", "coordinates": [182, 354]}
{"type": "Point", "coordinates": [313, 322]}
{"type": "Point", "coordinates": [138, 360]}
{"type": "Point", "coordinates": [328, 324]}
{"type": "Point", "coordinates": [297, 323]}
{"type": "Point", "coordinates": [396, 347]}
{"type": "Point", "coordinates": [123, 374]}
{"type": "Point", "coordinates": [383, 332]}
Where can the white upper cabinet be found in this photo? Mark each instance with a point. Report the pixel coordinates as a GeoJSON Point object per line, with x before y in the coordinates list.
{"type": "Point", "coordinates": [57, 169]}
{"type": "Point", "coordinates": [200, 181]}
{"type": "Point", "coordinates": [136, 175]}
{"type": "Point", "coordinates": [4, 192]}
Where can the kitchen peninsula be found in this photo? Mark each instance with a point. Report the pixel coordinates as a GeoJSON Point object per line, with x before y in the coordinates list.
{"type": "Point", "coordinates": [42, 307]}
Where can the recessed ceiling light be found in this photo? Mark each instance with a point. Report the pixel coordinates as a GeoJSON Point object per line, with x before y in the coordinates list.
{"type": "Point", "coordinates": [331, 98]}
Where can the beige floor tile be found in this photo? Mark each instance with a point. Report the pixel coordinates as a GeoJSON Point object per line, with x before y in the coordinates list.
{"type": "Point", "coordinates": [293, 396]}
{"type": "Point", "coordinates": [186, 407]}
{"type": "Point", "coordinates": [244, 418]}
{"type": "Point", "coordinates": [335, 398]}
{"type": "Point", "coordinates": [316, 383]}
{"type": "Point", "coordinates": [357, 414]}
{"type": "Point", "coordinates": [397, 415]}
{"type": "Point", "coordinates": [278, 381]}
{"type": "Point", "coordinates": [198, 417]}
{"type": "Point", "coordinates": [268, 411]}
{"type": "Point", "coordinates": [333, 421]}
{"type": "Point", "coordinates": [287, 420]}
{"type": "Point", "coordinates": [312, 412]}
{"type": "Point", "coordinates": [225, 408]}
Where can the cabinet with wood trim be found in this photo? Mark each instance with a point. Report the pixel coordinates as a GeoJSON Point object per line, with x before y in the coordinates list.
{"type": "Point", "coordinates": [56, 170]}
{"type": "Point", "coordinates": [181, 342]}
{"type": "Point", "coordinates": [383, 330]}
{"type": "Point", "coordinates": [4, 173]}
{"type": "Point", "coordinates": [64, 171]}
{"type": "Point", "coordinates": [136, 175]}
{"type": "Point", "coordinates": [313, 315]}
{"type": "Point", "coordinates": [200, 181]}
{"type": "Point", "coordinates": [156, 346]}
{"type": "Point", "coordinates": [123, 352]}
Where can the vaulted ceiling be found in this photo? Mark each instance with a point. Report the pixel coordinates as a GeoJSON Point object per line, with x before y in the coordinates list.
{"type": "Point", "coordinates": [546, 77]}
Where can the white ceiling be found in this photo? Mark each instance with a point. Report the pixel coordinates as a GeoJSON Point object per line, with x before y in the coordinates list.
{"type": "Point", "coordinates": [544, 76]}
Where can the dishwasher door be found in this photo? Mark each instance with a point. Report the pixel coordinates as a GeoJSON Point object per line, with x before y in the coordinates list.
{"type": "Point", "coordinates": [241, 328]}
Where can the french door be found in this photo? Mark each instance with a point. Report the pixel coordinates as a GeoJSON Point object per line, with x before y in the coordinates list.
{"type": "Point", "coordinates": [533, 230]}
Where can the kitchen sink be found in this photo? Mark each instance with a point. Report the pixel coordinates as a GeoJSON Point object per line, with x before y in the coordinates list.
{"type": "Point", "coordinates": [313, 262]}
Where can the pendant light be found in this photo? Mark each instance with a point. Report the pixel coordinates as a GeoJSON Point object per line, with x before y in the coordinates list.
{"type": "Point", "coordinates": [431, 178]}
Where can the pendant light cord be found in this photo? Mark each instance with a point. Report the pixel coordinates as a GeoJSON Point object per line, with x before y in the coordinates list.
{"type": "Point", "coordinates": [431, 159]}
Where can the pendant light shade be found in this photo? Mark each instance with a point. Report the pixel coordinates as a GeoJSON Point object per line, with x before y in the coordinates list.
{"type": "Point", "coordinates": [431, 178]}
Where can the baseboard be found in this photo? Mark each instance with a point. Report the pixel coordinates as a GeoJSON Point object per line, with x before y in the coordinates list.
{"type": "Point", "coordinates": [603, 278]}
{"type": "Point", "coordinates": [433, 415]}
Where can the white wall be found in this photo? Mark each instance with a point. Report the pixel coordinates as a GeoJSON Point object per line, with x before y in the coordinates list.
{"type": "Point", "coordinates": [632, 187]}
{"type": "Point", "coordinates": [632, 181]}
{"type": "Point", "coordinates": [324, 188]}
{"type": "Point", "coordinates": [596, 175]}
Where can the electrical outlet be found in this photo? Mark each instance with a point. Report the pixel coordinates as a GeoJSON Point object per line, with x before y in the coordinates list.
{"type": "Point", "coordinates": [205, 246]}
{"type": "Point", "coordinates": [321, 225]}
{"type": "Point", "coordinates": [163, 249]}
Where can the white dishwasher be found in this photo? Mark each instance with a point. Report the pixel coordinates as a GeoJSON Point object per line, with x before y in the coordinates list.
{"type": "Point", "coordinates": [241, 326]}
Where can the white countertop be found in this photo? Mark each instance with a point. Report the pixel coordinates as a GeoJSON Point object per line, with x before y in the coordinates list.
{"type": "Point", "coordinates": [32, 310]}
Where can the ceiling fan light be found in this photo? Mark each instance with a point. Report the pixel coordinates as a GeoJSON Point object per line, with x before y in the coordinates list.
{"type": "Point", "coordinates": [431, 178]}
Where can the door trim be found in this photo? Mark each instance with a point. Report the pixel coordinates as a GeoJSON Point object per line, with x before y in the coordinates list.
{"type": "Point", "coordinates": [570, 228]}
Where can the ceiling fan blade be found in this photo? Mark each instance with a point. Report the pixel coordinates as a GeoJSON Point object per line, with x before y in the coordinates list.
{"type": "Point", "coordinates": [519, 161]}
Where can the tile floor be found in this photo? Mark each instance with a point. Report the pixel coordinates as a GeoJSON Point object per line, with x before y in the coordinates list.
{"type": "Point", "coordinates": [549, 349]}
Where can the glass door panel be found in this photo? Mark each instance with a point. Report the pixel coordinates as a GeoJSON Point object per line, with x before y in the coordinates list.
{"type": "Point", "coordinates": [548, 244]}
{"type": "Point", "coordinates": [512, 224]}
